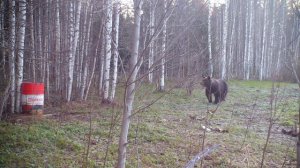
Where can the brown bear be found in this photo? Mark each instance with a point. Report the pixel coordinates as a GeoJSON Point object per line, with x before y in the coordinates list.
{"type": "Point", "coordinates": [218, 87]}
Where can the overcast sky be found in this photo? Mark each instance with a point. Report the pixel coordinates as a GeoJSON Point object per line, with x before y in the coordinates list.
{"type": "Point", "coordinates": [130, 2]}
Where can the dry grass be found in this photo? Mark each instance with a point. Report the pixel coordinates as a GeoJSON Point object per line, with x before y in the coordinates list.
{"type": "Point", "coordinates": [170, 132]}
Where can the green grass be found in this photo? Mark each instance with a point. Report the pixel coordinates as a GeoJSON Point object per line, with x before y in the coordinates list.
{"type": "Point", "coordinates": [38, 144]}
{"type": "Point", "coordinates": [162, 135]}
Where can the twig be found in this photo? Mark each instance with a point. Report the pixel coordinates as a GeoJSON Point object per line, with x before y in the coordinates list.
{"type": "Point", "coordinates": [136, 141]}
{"type": "Point", "coordinates": [200, 156]}
{"type": "Point", "coordinates": [249, 123]}
{"type": "Point", "coordinates": [273, 104]}
{"type": "Point", "coordinates": [206, 124]}
{"type": "Point", "coordinates": [85, 164]}
{"type": "Point", "coordinates": [114, 119]}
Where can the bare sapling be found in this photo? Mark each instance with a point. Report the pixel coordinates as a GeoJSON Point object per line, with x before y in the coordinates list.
{"type": "Point", "coordinates": [249, 122]}
{"type": "Point", "coordinates": [272, 118]}
{"type": "Point", "coordinates": [86, 159]}
{"type": "Point", "coordinates": [207, 119]}
{"type": "Point", "coordinates": [115, 116]}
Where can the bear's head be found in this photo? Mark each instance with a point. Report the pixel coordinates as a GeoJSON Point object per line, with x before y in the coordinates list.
{"type": "Point", "coordinates": [206, 81]}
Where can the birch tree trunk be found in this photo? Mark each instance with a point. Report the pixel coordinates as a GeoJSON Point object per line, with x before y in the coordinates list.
{"type": "Point", "coordinates": [91, 78]}
{"type": "Point", "coordinates": [272, 36]}
{"type": "Point", "coordinates": [115, 50]}
{"type": "Point", "coordinates": [49, 51]}
{"type": "Point", "coordinates": [32, 40]}
{"type": "Point", "coordinates": [130, 86]}
{"type": "Point", "coordinates": [264, 48]}
{"type": "Point", "coordinates": [246, 41]}
{"type": "Point", "coordinates": [102, 58]}
{"type": "Point", "coordinates": [210, 59]}
{"type": "Point", "coordinates": [74, 30]}
{"type": "Point", "coordinates": [12, 58]}
{"type": "Point", "coordinates": [108, 33]}
{"type": "Point", "coordinates": [151, 46]}
{"type": "Point", "coordinates": [85, 57]}
{"type": "Point", "coordinates": [21, 38]}
{"type": "Point", "coordinates": [232, 43]}
{"type": "Point", "coordinates": [282, 36]}
{"type": "Point", "coordinates": [57, 47]}
{"type": "Point", "coordinates": [224, 40]}
{"type": "Point", "coordinates": [39, 47]}
{"type": "Point", "coordinates": [250, 38]}
{"type": "Point", "coordinates": [163, 50]}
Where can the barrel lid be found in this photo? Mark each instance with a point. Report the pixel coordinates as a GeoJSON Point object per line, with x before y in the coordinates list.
{"type": "Point", "coordinates": [32, 88]}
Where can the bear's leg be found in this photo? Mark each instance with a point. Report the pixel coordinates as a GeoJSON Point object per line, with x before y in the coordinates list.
{"type": "Point", "coordinates": [208, 95]}
{"type": "Point", "coordinates": [217, 98]}
{"type": "Point", "coordinates": [222, 98]}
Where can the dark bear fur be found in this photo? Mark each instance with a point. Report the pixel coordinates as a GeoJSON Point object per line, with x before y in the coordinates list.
{"type": "Point", "coordinates": [218, 87]}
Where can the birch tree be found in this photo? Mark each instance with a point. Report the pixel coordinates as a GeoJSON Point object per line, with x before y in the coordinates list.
{"type": "Point", "coordinates": [21, 38]}
{"type": "Point", "coordinates": [32, 39]}
{"type": "Point", "coordinates": [224, 40]}
{"type": "Point", "coordinates": [86, 49]}
{"type": "Point", "coordinates": [115, 49]}
{"type": "Point", "coordinates": [108, 33]}
{"type": "Point", "coordinates": [250, 40]}
{"type": "Point", "coordinates": [12, 32]}
{"type": "Point", "coordinates": [152, 42]}
{"type": "Point", "coordinates": [282, 35]}
{"type": "Point", "coordinates": [210, 63]}
{"type": "Point", "coordinates": [272, 38]}
{"type": "Point", "coordinates": [74, 33]}
{"type": "Point", "coordinates": [163, 48]}
{"type": "Point", "coordinates": [57, 46]}
{"type": "Point", "coordinates": [130, 86]}
{"type": "Point", "coordinates": [264, 46]}
{"type": "Point", "coordinates": [101, 60]}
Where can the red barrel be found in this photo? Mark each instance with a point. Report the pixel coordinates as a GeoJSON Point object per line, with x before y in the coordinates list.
{"type": "Point", "coordinates": [32, 97]}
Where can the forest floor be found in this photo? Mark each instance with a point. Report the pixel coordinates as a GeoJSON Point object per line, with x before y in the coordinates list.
{"type": "Point", "coordinates": [166, 134]}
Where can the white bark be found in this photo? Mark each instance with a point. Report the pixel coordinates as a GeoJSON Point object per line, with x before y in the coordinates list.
{"type": "Point", "coordinates": [224, 40]}
{"type": "Point", "coordinates": [21, 38]}
{"type": "Point", "coordinates": [115, 50]}
{"type": "Point", "coordinates": [84, 78]}
{"type": "Point", "coordinates": [86, 43]}
{"type": "Point", "coordinates": [232, 40]}
{"type": "Point", "coordinates": [210, 63]}
{"type": "Point", "coordinates": [82, 59]}
{"type": "Point", "coordinates": [246, 42]}
{"type": "Point", "coordinates": [281, 43]}
{"type": "Point", "coordinates": [272, 46]}
{"type": "Point", "coordinates": [12, 19]}
{"type": "Point", "coordinates": [40, 48]}
{"type": "Point", "coordinates": [91, 78]}
{"type": "Point", "coordinates": [74, 30]}
{"type": "Point", "coordinates": [152, 43]}
{"type": "Point", "coordinates": [163, 48]}
{"type": "Point", "coordinates": [262, 62]}
{"type": "Point", "coordinates": [130, 88]}
{"type": "Point", "coordinates": [57, 47]}
{"type": "Point", "coordinates": [48, 55]}
{"type": "Point", "coordinates": [102, 57]}
{"type": "Point", "coordinates": [32, 40]}
{"type": "Point", "coordinates": [250, 39]}
{"type": "Point", "coordinates": [108, 33]}
{"type": "Point", "coordinates": [282, 36]}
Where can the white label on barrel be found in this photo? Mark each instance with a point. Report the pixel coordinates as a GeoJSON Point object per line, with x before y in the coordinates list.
{"type": "Point", "coordinates": [32, 99]}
